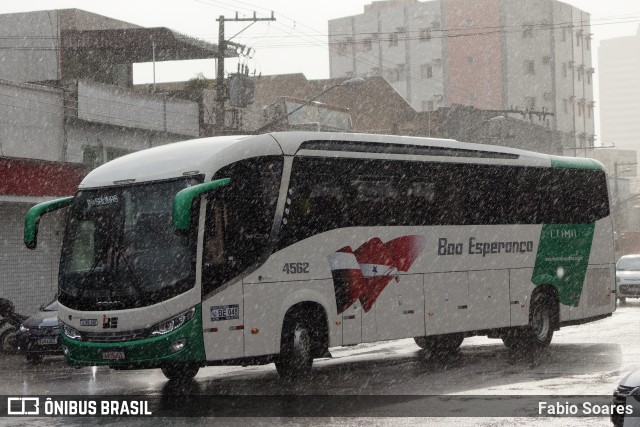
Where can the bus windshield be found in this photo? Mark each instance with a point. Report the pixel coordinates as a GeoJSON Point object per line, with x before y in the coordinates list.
{"type": "Point", "coordinates": [120, 250]}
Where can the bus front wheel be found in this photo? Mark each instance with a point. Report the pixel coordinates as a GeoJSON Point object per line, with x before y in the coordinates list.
{"type": "Point", "coordinates": [180, 371]}
{"type": "Point", "coordinates": [296, 358]}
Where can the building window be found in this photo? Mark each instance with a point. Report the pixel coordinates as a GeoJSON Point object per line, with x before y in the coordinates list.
{"type": "Point", "coordinates": [588, 42]}
{"type": "Point", "coordinates": [471, 96]}
{"type": "Point", "coordinates": [425, 34]}
{"type": "Point", "coordinates": [530, 103]}
{"type": "Point", "coordinates": [527, 31]}
{"type": "Point", "coordinates": [427, 105]}
{"type": "Point", "coordinates": [529, 67]}
{"type": "Point", "coordinates": [435, 25]}
{"type": "Point", "coordinates": [578, 37]}
{"type": "Point", "coordinates": [589, 110]}
{"type": "Point", "coordinates": [375, 71]}
{"type": "Point", "coordinates": [468, 23]}
{"type": "Point", "coordinates": [589, 76]}
{"type": "Point", "coordinates": [426, 71]}
{"type": "Point", "coordinates": [92, 156]}
{"type": "Point", "coordinates": [366, 44]}
{"type": "Point", "coordinates": [393, 39]}
{"type": "Point", "coordinates": [564, 69]}
{"type": "Point", "coordinates": [342, 48]}
{"type": "Point", "coordinates": [470, 60]}
{"type": "Point", "coordinates": [565, 106]}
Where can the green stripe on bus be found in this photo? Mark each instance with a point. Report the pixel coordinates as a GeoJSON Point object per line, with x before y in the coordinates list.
{"type": "Point", "coordinates": [33, 218]}
{"type": "Point", "coordinates": [562, 259]}
{"type": "Point", "coordinates": [183, 200]}
{"type": "Point", "coordinates": [575, 163]}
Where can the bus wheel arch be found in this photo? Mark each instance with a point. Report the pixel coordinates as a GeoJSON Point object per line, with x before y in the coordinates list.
{"type": "Point", "coordinates": [445, 343]}
{"type": "Point", "coordinates": [304, 336]}
{"type": "Point", "coordinates": [544, 319]}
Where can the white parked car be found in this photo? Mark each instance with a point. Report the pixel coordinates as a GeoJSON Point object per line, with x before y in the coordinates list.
{"type": "Point", "coordinates": [628, 277]}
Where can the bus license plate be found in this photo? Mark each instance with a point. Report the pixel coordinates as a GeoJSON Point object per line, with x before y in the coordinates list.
{"type": "Point", "coordinates": [113, 354]}
{"type": "Point", "coordinates": [225, 312]}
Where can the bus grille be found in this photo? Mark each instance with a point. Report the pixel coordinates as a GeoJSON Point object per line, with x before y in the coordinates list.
{"type": "Point", "coordinates": [115, 336]}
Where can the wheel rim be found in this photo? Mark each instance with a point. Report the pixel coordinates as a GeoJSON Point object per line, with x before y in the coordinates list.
{"type": "Point", "coordinates": [541, 323]}
{"type": "Point", "coordinates": [302, 342]}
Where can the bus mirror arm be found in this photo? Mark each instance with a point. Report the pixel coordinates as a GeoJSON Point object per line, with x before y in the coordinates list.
{"type": "Point", "coordinates": [183, 201]}
{"type": "Point", "coordinates": [32, 219]}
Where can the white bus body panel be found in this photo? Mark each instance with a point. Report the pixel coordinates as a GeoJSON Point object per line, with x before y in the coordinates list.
{"type": "Point", "coordinates": [204, 156]}
{"type": "Point", "coordinates": [224, 339]}
{"type": "Point", "coordinates": [400, 308]}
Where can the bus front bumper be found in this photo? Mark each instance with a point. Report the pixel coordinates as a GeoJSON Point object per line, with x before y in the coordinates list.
{"type": "Point", "coordinates": [184, 345]}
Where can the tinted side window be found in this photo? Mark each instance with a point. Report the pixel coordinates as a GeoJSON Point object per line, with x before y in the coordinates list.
{"type": "Point", "coordinates": [239, 219]}
{"type": "Point", "coordinates": [327, 194]}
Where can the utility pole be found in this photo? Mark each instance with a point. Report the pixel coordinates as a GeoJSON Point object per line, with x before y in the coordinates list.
{"type": "Point", "coordinates": [222, 47]}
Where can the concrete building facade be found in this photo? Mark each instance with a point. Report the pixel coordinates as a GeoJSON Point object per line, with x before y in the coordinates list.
{"type": "Point", "coordinates": [512, 55]}
{"type": "Point", "coordinates": [618, 64]}
{"type": "Point", "coordinates": [67, 105]}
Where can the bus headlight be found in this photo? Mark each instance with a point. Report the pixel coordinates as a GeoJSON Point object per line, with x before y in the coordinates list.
{"type": "Point", "coordinates": [172, 324]}
{"type": "Point", "coordinates": [70, 332]}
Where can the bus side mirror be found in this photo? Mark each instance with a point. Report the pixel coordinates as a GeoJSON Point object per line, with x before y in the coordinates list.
{"type": "Point", "coordinates": [33, 218]}
{"type": "Point", "coordinates": [183, 201]}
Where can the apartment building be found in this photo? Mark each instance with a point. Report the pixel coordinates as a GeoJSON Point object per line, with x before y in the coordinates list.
{"type": "Point", "coordinates": [529, 58]}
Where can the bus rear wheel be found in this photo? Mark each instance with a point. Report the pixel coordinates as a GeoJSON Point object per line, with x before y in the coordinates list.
{"type": "Point", "coordinates": [180, 372]}
{"type": "Point", "coordinates": [440, 343]}
{"type": "Point", "coordinates": [296, 356]}
{"type": "Point", "coordinates": [542, 323]}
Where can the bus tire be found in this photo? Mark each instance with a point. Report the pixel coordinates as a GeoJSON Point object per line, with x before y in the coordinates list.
{"type": "Point", "coordinates": [446, 342]}
{"type": "Point", "coordinates": [543, 318]}
{"type": "Point", "coordinates": [296, 346]}
{"type": "Point", "coordinates": [180, 372]}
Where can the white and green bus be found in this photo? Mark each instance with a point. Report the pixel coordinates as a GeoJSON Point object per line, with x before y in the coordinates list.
{"type": "Point", "coordinates": [276, 247]}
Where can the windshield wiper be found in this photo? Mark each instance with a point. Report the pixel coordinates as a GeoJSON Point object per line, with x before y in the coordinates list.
{"type": "Point", "coordinates": [90, 272]}
{"type": "Point", "coordinates": [137, 280]}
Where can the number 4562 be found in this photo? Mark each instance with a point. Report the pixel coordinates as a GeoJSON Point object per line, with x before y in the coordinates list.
{"type": "Point", "coordinates": [296, 267]}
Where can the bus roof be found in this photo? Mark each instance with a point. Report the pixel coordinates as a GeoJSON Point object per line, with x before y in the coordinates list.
{"type": "Point", "coordinates": [206, 155]}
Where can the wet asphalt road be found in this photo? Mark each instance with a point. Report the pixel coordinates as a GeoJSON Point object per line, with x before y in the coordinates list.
{"type": "Point", "coordinates": [586, 359]}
